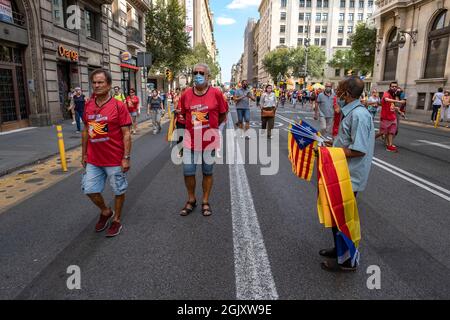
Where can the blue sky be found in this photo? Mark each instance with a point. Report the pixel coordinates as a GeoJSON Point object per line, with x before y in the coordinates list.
{"type": "Point", "coordinates": [230, 20]}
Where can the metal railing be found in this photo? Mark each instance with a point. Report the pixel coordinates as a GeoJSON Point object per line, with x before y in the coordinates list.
{"type": "Point", "coordinates": [134, 35]}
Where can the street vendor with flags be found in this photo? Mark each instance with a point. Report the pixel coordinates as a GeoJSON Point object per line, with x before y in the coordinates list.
{"type": "Point", "coordinates": [355, 143]}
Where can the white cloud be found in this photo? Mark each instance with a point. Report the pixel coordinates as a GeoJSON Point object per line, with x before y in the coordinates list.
{"type": "Point", "coordinates": [242, 4]}
{"type": "Point", "coordinates": [222, 21]}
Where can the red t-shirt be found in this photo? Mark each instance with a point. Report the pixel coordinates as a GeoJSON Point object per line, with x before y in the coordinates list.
{"type": "Point", "coordinates": [134, 103]}
{"type": "Point", "coordinates": [202, 116]}
{"type": "Point", "coordinates": [105, 146]}
{"type": "Point", "coordinates": [337, 118]}
{"type": "Point", "coordinates": [387, 108]}
{"type": "Point", "coordinates": [180, 118]}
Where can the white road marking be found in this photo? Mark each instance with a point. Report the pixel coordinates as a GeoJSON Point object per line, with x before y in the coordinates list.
{"type": "Point", "coordinates": [254, 280]}
{"type": "Point", "coordinates": [435, 144]}
{"type": "Point", "coordinates": [15, 131]}
{"type": "Point", "coordinates": [412, 178]}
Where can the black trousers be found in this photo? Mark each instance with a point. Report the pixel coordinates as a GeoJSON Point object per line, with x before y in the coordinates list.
{"type": "Point", "coordinates": [435, 112]}
{"type": "Point", "coordinates": [268, 123]}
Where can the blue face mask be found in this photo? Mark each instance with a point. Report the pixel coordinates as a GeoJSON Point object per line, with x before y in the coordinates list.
{"type": "Point", "coordinates": [199, 79]}
{"type": "Point", "coordinates": [341, 103]}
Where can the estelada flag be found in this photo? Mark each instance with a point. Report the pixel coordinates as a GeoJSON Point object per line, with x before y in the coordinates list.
{"type": "Point", "coordinates": [301, 143]}
{"type": "Point", "coordinates": [336, 202]}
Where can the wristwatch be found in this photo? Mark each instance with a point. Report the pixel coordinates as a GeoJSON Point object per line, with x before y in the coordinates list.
{"type": "Point", "coordinates": [127, 157]}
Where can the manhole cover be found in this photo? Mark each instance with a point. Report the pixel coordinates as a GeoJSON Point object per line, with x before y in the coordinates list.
{"type": "Point", "coordinates": [27, 172]}
{"type": "Point", "coordinates": [34, 180]}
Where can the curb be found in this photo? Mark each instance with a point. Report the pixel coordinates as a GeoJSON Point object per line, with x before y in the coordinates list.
{"type": "Point", "coordinates": [41, 159]}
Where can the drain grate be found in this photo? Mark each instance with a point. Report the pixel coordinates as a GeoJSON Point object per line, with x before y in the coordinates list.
{"type": "Point", "coordinates": [34, 180]}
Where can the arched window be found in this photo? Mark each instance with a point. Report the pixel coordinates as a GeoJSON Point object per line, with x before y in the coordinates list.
{"type": "Point", "coordinates": [390, 64]}
{"type": "Point", "coordinates": [438, 39]}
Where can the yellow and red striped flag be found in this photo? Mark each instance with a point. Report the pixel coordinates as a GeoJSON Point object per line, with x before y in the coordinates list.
{"type": "Point", "coordinates": [336, 202]}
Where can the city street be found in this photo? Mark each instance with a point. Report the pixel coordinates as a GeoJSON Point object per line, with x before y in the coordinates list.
{"type": "Point", "coordinates": [261, 242]}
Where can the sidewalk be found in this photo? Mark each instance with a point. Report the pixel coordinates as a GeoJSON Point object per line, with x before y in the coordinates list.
{"type": "Point", "coordinates": [23, 148]}
{"type": "Point", "coordinates": [422, 118]}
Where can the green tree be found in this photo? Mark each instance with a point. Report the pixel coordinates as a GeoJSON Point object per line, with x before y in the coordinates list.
{"type": "Point", "coordinates": [363, 47]}
{"type": "Point", "coordinates": [316, 61]}
{"type": "Point", "coordinates": [200, 54]}
{"type": "Point", "coordinates": [343, 59]}
{"type": "Point", "coordinates": [166, 38]}
{"type": "Point", "coordinates": [278, 62]}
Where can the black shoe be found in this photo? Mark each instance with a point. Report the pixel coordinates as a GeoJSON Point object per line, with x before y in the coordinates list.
{"type": "Point", "coordinates": [334, 267]}
{"type": "Point", "coordinates": [328, 253]}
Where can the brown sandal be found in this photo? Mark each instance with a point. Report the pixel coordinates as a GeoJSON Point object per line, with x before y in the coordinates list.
{"type": "Point", "coordinates": [206, 211]}
{"type": "Point", "coordinates": [188, 208]}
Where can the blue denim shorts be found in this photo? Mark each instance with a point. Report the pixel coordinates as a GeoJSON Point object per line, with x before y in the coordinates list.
{"type": "Point", "coordinates": [94, 179]}
{"type": "Point", "coordinates": [192, 158]}
{"type": "Point", "coordinates": [243, 115]}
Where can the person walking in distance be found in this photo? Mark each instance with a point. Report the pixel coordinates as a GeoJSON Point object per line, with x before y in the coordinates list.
{"type": "Point", "coordinates": [324, 110]}
{"type": "Point", "coordinates": [242, 98]}
{"type": "Point", "coordinates": [106, 149]}
{"type": "Point", "coordinates": [154, 108]}
{"type": "Point", "coordinates": [388, 117]}
{"type": "Point", "coordinates": [437, 103]}
{"type": "Point", "coordinates": [269, 105]}
{"type": "Point", "coordinates": [79, 102]}
{"type": "Point", "coordinates": [204, 109]}
{"type": "Point", "coordinates": [132, 102]}
{"type": "Point", "coordinates": [118, 95]}
{"type": "Point", "coordinates": [373, 102]}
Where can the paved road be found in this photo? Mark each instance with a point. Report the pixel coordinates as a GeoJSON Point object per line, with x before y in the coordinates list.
{"type": "Point", "coordinates": [261, 242]}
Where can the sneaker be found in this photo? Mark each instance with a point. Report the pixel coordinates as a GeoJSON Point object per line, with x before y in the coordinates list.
{"type": "Point", "coordinates": [391, 149]}
{"type": "Point", "coordinates": [114, 229]}
{"type": "Point", "coordinates": [74, 122]}
{"type": "Point", "coordinates": [103, 222]}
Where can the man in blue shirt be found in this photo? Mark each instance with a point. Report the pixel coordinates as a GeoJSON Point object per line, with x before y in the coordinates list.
{"type": "Point", "coordinates": [357, 137]}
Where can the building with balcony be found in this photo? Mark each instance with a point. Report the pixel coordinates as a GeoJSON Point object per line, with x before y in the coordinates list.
{"type": "Point", "coordinates": [126, 27]}
{"type": "Point", "coordinates": [412, 48]}
{"type": "Point", "coordinates": [47, 48]}
{"type": "Point", "coordinates": [327, 23]}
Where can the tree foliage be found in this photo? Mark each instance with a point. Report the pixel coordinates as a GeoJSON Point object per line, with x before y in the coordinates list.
{"type": "Point", "coordinates": [343, 59]}
{"type": "Point", "coordinates": [364, 46]}
{"type": "Point", "coordinates": [166, 37]}
{"type": "Point", "coordinates": [200, 54]}
{"type": "Point", "coordinates": [290, 62]}
{"type": "Point", "coordinates": [316, 61]}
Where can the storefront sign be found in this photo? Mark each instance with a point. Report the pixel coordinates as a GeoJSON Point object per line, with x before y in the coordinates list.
{"type": "Point", "coordinates": [6, 11]}
{"type": "Point", "coordinates": [69, 54]}
{"type": "Point", "coordinates": [125, 57]}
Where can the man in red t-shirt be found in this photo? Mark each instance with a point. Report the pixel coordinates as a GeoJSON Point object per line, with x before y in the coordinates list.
{"type": "Point", "coordinates": [106, 147]}
{"type": "Point", "coordinates": [388, 117]}
{"type": "Point", "coordinates": [133, 107]}
{"type": "Point", "coordinates": [204, 109]}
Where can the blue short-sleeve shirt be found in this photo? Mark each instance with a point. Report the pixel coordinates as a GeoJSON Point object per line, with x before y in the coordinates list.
{"type": "Point", "coordinates": [356, 132]}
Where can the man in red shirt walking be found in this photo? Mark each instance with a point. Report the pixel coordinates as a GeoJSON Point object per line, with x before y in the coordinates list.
{"type": "Point", "coordinates": [204, 109]}
{"type": "Point", "coordinates": [106, 147]}
{"type": "Point", "coordinates": [133, 107]}
{"type": "Point", "coordinates": [388, 117]}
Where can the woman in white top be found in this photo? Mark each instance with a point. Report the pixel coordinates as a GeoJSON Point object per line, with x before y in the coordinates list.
{"type": "Point", "coordinates": [437, 103]}
{"type": "Point", "coordinates": [373, 102]}
{"type": "Point", "coordinates": [269, 104]}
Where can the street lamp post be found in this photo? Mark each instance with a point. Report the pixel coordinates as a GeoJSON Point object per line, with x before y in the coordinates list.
{"type": "Point", "coordinates": [307, 44]}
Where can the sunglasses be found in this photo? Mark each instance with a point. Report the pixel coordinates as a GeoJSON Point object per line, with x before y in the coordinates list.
{"type": "Point", "coordinates": [198, 72]}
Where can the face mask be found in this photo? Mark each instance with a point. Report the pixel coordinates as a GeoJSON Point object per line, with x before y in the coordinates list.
{"type": "Point", "coordinates": [341, 103]}
{"type": "Point", "coordinates": [244, 86]}
{"type": "Point", "coordinates": [393, 91]}
{"type": "Point", "coordinates": [199, 80]}
{"type": "Point", "coordinates": [328, 90]}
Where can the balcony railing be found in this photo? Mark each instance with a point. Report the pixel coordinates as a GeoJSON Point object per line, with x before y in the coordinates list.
{"type": "Point", "coordinates": [134, 35]}
{"type": "Point", "coordinates": [17, 19]}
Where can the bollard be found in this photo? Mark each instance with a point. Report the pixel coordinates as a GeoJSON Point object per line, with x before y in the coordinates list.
{"type": "Point", "coordinates": [438, 118]}
{"type": "Point", "coordinates": [62, 150]}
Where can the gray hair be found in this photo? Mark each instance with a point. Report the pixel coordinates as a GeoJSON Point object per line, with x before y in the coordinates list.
{"type": "Point", "coordinates": [204, 65]}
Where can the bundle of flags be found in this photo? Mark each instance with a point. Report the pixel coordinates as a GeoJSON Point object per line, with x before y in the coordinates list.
{"type": "Point", "coordinates": [302, 140]}
{"type": "Point", "coordinates": [336, 202]}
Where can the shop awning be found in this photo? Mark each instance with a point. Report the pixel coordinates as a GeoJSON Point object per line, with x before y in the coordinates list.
{"type": "Point", "coordinates": [128, 66]}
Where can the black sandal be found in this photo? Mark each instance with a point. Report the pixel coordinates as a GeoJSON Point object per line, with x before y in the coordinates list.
{"type": "Point", "coordinates": [206, 212]}
{"type": "Point", "coordinates": [334, 267]}
{"type": "Point", "coordinates": [188, 210]}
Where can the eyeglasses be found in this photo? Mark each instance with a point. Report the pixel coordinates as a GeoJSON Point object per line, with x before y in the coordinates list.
{"type": "Point", "coordinates": [198, 72]}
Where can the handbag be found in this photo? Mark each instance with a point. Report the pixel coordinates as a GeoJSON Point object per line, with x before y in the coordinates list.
{"type": "Point", "coordinates": [268, 113]}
